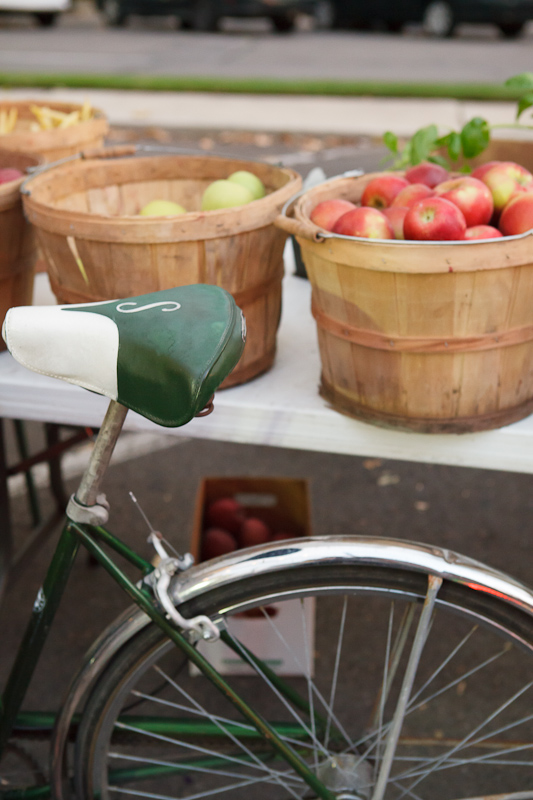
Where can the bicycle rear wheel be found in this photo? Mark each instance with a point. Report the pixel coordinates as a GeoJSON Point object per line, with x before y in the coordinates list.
{"type": "Point", "coordinates": [400, 683]}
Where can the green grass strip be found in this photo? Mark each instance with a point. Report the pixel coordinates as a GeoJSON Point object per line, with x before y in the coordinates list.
{"type": "Point", "coordinates": [458, 91]}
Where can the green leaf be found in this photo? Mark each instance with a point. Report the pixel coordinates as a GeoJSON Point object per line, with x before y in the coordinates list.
{"type": "Point", "coordinates": [524, 81]}
{"type": "Point", "coordinates": [390, 140]}
{"type": "Point", "coordinates": [423, 143]}
{"type": "Point", "coordinates": [454, 146]}
{"type": "Point", "coordinates": [438, 159]}
{"type": "Point", "coordinates": [525, 102]}
{"type": "Point", "coordinates": [475, 137]}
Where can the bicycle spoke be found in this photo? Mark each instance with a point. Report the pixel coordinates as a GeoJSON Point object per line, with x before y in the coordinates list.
{"type": "Point", "coordinates": [198, 749]}
{"type": "Point", "coordinates": [225, 730]}
{"type": "Point", "coordinates": [309, 680]}
{"type": "Point", "coordinates": [434, 584]}
{"type": "Point", "coordinates": [287, 705]}
{"type": "Point", "coordinates": [466, 740]}
{"type": "Point", "coordinates": [318, 694]}
{"type": "Point", "coordinates": [334, 679]}
{"type": "Point", "coordinates": [223, 720]}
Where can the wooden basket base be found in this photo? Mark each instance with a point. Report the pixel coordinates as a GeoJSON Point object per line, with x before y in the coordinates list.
{"type": "Point", "coordinates": [250, 371]}
{"type": "Point", "coordinates": [473, 424]}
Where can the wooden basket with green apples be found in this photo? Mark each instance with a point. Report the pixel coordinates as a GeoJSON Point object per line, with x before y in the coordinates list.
{"type": "Point", "coordinates": [117, 227]}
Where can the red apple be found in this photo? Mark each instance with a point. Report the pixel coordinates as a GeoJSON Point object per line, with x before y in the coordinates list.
{"type": "Point", "coordinates": [396, 215]}
{"type": "Point", "coordinates": [428, 173]}
{"type": "Point", "coordinates": [279, 536]}
{"type": "Point", "coordinates": [381, 190]}
{"type": "Point", "coordinates": [478, 172]}
{"type": "Point", "coordinates": [411, 194]}
{"type": "Point", "coordinates": [226, 513]}
{"type": "Point", "coordinates": [434, 219]}
{"type": "Point", "coordinates": [8, 174]}
{"type": "Point", "coordinates": [254, 531]}
{"type": "Point", "coordinates": [326, 213]}
{"type": "Point", "coordinates": [517, 216]}
{"type": "Point", "coordinates": [482, 232]}
{"type": "Point", "coordinates": [366, 222]}
{"type": "Point", "coordinates": [504, 180]}
{"type": "Point", "coordinates": [471, 196]}
{"type": "Point", "coordinates": [217, 542]}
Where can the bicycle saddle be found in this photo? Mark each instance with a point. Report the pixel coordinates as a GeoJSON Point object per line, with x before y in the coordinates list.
{"type": "Point", "coordinates": [161, 354]}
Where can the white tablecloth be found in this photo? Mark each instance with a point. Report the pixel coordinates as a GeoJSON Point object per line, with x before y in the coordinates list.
{"type": "Point", "coordinates": [281, 408]}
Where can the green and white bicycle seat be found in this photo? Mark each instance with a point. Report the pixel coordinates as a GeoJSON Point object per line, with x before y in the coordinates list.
{"type": "Point", "coordinates": [161, 354]}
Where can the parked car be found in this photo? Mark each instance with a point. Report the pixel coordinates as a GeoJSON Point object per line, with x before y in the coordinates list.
{"type": "Point", "coordinates": [205, 15]}
{"type": "Point", "coordinates": [438, 17]}
{"type": "Point", "coordinates": [45, 12]}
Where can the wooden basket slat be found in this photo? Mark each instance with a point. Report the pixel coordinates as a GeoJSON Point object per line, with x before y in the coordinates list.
{"type": "Point", "coordinates": [18, 246]}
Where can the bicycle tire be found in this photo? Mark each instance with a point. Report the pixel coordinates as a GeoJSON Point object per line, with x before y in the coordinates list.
{"type": "Point", "coordinates": [459, 735]}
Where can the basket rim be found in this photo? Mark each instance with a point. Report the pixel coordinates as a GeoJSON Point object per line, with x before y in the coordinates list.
{"type": "Point", "coordinates": [48, 139]}
{"type": "Point", "coordinates": [138, 229]}
{"type": "Point", "coordinates": [320, 235]}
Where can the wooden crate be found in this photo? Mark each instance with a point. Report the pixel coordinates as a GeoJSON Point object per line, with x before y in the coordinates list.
{"type": "Point", "coordinates": [283, 503]}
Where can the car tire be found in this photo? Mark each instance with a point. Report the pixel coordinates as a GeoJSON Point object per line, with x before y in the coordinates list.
{"type": "Point", "coordinates": [438, 19]}
{"type": "Point", "coordinates": [114, 13]}
{"type": "Point", "coordinates": [46, 18]}
{"type": "Point", "coordinates": [283, 23]}
{"type": "Point", "coordinates": [511, 29]}
{"type": "Point", "coordinates": [204, 17]}
{"type": "Point", "coordinates": [325, 15]}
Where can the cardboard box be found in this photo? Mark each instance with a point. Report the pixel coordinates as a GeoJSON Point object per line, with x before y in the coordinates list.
{"type": "Point", "coordinates": [284, 640]}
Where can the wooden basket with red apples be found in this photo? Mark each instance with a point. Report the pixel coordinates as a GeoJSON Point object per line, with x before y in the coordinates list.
{"type": "Point", "coordinates": [18, 250]}
{"type": "Point", "coordinates": [432, 332]}
{"type": "Point", "coordinates": [428, 203]}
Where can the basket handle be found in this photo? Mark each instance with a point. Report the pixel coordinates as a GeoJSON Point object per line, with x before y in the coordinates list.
{"type": "Point", "coordinates": [117, 151]}
{"type": "Point", "coordinates": [297, 228]}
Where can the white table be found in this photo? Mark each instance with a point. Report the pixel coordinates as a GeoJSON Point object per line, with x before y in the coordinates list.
{"type": "Point", "coordinates": [281, 408]}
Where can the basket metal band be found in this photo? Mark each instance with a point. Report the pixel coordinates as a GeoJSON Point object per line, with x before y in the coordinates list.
{"type": "Point", "coordinates": [420, 344]}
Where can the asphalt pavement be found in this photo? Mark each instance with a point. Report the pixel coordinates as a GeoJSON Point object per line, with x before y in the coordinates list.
{"type": "Point", "coordinates": [151, 46]}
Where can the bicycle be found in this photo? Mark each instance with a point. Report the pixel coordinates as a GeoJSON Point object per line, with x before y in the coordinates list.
{"type": "Point", "coordinates": [154, 718]}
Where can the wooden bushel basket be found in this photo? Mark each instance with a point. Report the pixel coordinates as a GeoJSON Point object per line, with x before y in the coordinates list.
{"type": "Point", "coordinates": [426, 336]}
{"type": "Point", "coordinates": [18, 247]}
{"type": "Point", "coordinates": [51, 145]}
{"type": "Point", "coordinates": [98, 248]}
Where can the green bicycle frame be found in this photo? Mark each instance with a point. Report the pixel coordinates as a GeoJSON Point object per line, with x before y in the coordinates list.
{"type": "Point", "coordinates": [95, 538]}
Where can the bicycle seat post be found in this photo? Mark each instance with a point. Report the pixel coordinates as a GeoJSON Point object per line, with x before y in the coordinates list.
{"type": "Point", "coordinates": [101, 455]}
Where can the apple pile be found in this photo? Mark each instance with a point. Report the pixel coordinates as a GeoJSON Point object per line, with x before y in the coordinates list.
{"type": "Point", "coordinates": [239, 189]}
{"type": "Point", "coordinates": [427, 203]}
{"type": "Point", "coordinates": [228, 527]}
{"type": "Point", "coordinates": [10, 174]}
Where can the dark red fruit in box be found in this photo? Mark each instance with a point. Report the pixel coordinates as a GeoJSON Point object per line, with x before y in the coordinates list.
{"type": "Point", "coordinates": [217, 542]}
{"type": "Point", "coordinates": [225, 513]}
{"type": "Point", "coordinates": [254, 531]}
{"type": "Point", "coordinates": [281, 535]}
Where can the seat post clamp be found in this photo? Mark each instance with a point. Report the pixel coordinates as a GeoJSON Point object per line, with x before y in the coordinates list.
{"type": "Point", "coordinates": [97, 514]}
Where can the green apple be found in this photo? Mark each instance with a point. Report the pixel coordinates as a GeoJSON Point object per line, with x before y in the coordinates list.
{"type": "Point", "coordinates": [225, 194]}
{"type": "Point", "coordinates": [251, 181]}
{"type": "Point", "coordinates": [162, 208]}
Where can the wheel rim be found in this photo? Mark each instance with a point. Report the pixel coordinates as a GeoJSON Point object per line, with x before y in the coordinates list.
{"type": "Point", "coordinates": [438, 19]}
{"type": "Point", "coordinates": [445, 744]}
